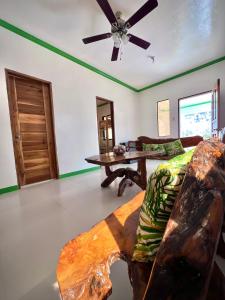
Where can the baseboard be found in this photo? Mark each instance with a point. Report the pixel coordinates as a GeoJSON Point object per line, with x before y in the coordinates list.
{"type": "Point", "coordinates": [14, 188]}
{"type": "Point", "coordinates": [9, 189]}
{"type": "Point", "coordinates": [79, 172]}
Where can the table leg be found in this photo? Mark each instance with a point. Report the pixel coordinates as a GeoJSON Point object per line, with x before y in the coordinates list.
{"type": "Point", "coordinates": [123, 183]}
{"type": "Point", "coordinates": [112, 175]}
{"type": "Point", "coordinates": [139, 177]}
{"type": "Point", "coordinates": [143, 173]}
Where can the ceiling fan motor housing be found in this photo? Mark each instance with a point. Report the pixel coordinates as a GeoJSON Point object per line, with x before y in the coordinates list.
{"type": "Point", "coordinates": [119, 30]}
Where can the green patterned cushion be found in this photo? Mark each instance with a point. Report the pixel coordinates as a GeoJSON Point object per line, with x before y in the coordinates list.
{"type": "Point", "coordinates": [163, 186]}
{"type": "Point", "coordinates": [174, 148]}
{"type": "Point", "coordinates": [159, 148]}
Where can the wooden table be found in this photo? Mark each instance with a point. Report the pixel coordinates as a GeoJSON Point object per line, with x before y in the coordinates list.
{"type": "Point", "coordinates": [129, 175]}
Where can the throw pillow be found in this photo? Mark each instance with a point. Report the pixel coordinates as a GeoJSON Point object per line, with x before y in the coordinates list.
{"type": "Point", "coordinates": [163, 187]}
{"type": "Point", "coordinates": [158, 148]}
{"type": "Point", "coordinates": [174, 148]}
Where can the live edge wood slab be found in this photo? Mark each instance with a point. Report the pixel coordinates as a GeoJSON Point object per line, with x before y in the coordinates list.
{"type": "Point", "coordinates": [184, 268]}
{"type": "Point", "coordinates": [84, 264]}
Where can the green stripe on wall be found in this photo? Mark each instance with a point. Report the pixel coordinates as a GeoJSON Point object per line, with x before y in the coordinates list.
{"type": "Point", "coordinates": [9, 189]}
{"type": "Point", "coordinates": [62, 53]}
{"type": "Point", "coordinates": [215, 61]}
{"type": "Point", "coordinates": [79, 172]}
{"type": "Point", "coordinates": [82, 63]}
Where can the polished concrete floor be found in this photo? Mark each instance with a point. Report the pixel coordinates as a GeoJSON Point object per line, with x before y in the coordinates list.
{"type": "Point", "coordinates": [38, 220]}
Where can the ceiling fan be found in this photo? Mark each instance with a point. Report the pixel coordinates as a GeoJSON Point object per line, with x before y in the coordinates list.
{"type": "Point", "coordinates": [119, 27]}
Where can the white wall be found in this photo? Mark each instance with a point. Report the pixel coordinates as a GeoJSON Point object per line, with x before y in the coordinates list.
{"type": "Point", "coordinates": [194, 83]}
{"type": "Point", "coordinates": [74, 96]}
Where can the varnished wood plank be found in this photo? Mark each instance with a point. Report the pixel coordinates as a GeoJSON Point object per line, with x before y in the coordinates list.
{"type": "Point", "coordinates": [31, 109]}
{"type": "Point", "coordinates": [35, 154]}
{"type": "Point", "coordinates": [45, 171]}
{"type": "Point", "coordinates": [36, 163]}
{"type": "Point", "coordinates": [15, 125]}
{"type": "Point", "coordinates": [30, 118]}
{"type": "Point", "coordinates": [38, 178]}
{"type": "Point", "coordinates": [28, 89]}
{"type": "Point", "coordinates": [34, 147]}
{"type": "Point", "coordinates": [34, 137]}
{"type": "Point", "coordinates": [30, 127]}
{"type": "Point", "coordinates": [49, 129]}
{"type": "Point", "coordinates": [28, 83]}
{"type": "Point", "coordinates": [31, 101]}
{"type": "Point", "coordinates": [109, 159]}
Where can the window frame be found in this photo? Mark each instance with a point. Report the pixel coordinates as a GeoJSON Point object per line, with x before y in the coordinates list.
{"type": "Point", "coordinates": [158, 118]}
{"type": "Point", "coordinates": [180, 99]}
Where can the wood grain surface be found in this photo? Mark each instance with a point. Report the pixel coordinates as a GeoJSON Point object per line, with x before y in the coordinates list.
{"type": "Point", "coordinates": [32, 128]}
{"type": "Point", "coordinates": [185, 260]}
{"type": "Point", "coordinates": [84, 265]}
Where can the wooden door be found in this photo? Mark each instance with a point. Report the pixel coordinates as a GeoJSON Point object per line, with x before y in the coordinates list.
{"type": "Point", "coordinates": [31, 114]}
{"type": "Point", "coordinates": [216, 126]}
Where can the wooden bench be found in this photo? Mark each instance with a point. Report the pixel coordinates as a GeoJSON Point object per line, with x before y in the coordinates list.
{"type": "Point", "coordinates": [186, 143]}
{"type": "Point", "coordinates": [184, 268]}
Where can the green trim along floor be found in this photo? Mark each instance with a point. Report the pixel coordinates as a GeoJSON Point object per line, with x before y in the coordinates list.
{"type": "Point", "coordinates": [82, 63]}
{"type": "Point", "coordinates": [16, 187]}
{"type": "Point", "coordinates": [79, 172]}
{"type": "Point", "coordinates": [9, 189]}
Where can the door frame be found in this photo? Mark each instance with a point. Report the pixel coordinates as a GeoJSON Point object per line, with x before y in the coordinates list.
{"type": "Point", "coordinates": [178, 108]}
{"type": "Point", "coordinates": [9, 72]}
{"type": "Point", "coordinates": [112, 117]}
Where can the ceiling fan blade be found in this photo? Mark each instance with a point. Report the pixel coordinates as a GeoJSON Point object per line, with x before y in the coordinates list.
{"type": "Point", "coordinates": [96, 38]}
{"type": "Point", "coordinates": [115, 54]}
{"type": "Point", "coordinates": [138, 41]}
{"type": "Point", "coordinates": [142, 12]}
{"type": "Point", "coordinates": [104, 4]}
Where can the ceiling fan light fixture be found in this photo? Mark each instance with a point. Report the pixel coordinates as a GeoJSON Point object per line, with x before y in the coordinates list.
{"type": "Point", "coordinates": [116, 37]}
{"type": "Point", "coordinates": [125, 39]}
{"type": "Point", "coordinates": [117, 44]}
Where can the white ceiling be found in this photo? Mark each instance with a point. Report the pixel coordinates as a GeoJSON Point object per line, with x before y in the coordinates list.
{"type": "Point", "coordinates": [183, 34]}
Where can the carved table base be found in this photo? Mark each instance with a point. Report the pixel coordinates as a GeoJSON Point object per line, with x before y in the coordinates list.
{"type": "Point", "coordinates": [129, 175]}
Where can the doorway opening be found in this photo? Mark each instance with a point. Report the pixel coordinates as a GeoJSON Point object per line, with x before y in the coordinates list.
{"type": "Point", "coordinates": [195, 115]}
{"type": "Point", "coordinates": [32, 123]}
{"type": "Point", "coordinates": [106, 128]}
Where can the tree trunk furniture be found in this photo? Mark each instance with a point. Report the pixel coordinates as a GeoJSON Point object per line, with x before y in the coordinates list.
{"type": "Point", "coordinates": [185, 259]}
{"type": "Point", "coordinates": [184, 268]}
{"type": "Point", "coordinates": [84, 264]}
{"type": "Point", "coordinates": [129, 175]}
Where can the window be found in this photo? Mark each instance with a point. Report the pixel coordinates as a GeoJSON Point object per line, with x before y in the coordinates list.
{"type": "Point", "coordinates": [163, 112]}
{"type": "Point", "coordinates": [195, 115]}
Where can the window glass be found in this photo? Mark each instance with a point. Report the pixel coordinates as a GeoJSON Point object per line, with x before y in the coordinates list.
{"type": "Point", "coordinates": [195, 115]}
